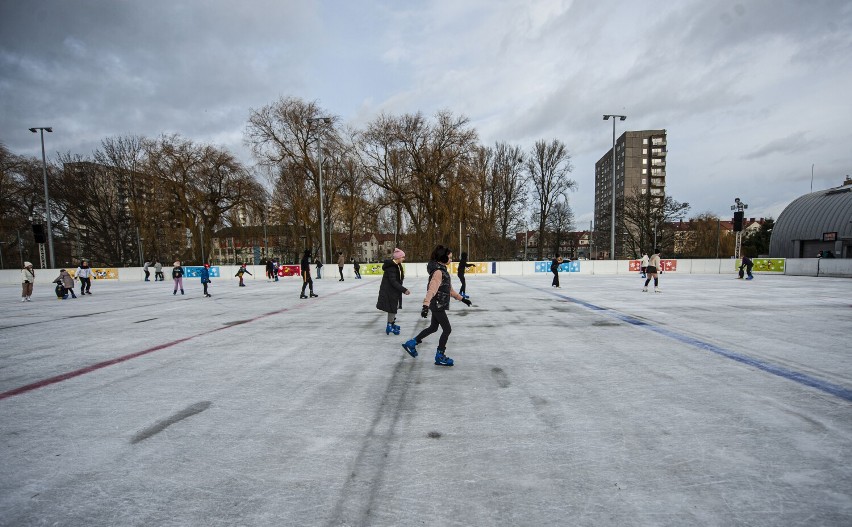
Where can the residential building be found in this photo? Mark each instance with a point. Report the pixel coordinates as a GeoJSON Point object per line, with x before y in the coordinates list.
{"type": "Point", "coordinates": [640, 169]}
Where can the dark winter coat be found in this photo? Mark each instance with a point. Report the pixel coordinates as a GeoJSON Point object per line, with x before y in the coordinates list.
{"type": "Point", "coordinates": [205, 275]}
{"type": "Point", "coordinates": [306, 268]}
{"type": "Point", "coordinates": [177, 272]}
{"type": "Point", "coordinates": [391, 289]}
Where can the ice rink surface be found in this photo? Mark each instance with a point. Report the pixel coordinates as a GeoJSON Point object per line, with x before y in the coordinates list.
{"type": "Point", "coordinates": [717, 402]}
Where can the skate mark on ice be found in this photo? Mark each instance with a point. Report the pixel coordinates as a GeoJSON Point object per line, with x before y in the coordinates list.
{"type": "Point", "coordinates": [434, 435]}
{"type": "Point", "coordinates": [604, 323]}
{"type": "Point", "coordinates": [359, 493]}
{"type": "Point", "coordinates": [500, 377]}
{"type": "Point", "coordinates": [159, 426]}
{"type": "Point", "coordinates": [146, 320]}
{"type": "Point", "coordinates": [236, 322]}
{"type": "Point", "coordinates": [773, 369]}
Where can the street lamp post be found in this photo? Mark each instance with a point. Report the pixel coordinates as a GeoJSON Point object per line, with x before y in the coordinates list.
{"type": "Point", "coordinates": [738, 207]}
{"type": "Point", "coordinates": [325, 120]}
{"type": "Point", "coordinates": [49, 129]}
{"type": "Point", "coordinates": [612, 227]}
{"type": "Point", "coordinates": [468, 245]}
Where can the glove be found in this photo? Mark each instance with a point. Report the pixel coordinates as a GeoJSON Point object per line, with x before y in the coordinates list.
{"type": "Point", "coordinates": [424, 312]}
{"type": "Point", "coordinates": [466, 302]}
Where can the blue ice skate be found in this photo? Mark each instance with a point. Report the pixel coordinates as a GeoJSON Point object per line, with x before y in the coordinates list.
{"type": "Point", "coordinates": [396, 329]}
{"type": "Point", "coordinates": [442, 360]}
{"type": "Point", "coordinates": [750, 277]}
{"type": "Point", "coordinates": [409, 346]}
{"type": "Point", "coordinates": [391, 328]}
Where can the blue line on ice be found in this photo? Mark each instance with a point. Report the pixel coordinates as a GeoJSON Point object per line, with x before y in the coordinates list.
{"type": "Point", "coordinates": [801, 378]}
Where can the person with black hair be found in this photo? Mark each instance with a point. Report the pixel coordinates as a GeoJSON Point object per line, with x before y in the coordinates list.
{"type": "Point", "coordinates": [357, 268]}
{"type": "Point", "coordinates": [306, 274]}
{"type": "Point", "coordinates": [746, 264]}
{"type": "Point", "coordinates": [652, 270]}
{"type": "Point", "coordinates": [463, 265]}
{"type": "Point", "coordinates": [437, 300]}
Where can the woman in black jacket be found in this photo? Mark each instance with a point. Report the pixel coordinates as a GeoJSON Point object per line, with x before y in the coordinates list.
{"type": "Point", "coordinates": [306, 274]}
{"type": "Point", "coordinates": [463, 265]}
{"type": "Point", "coordinates": [391, 290]}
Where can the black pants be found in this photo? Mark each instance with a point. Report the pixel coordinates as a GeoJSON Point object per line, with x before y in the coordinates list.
{"type": "Point", "coordinates": [307, 282]}
{"type": "Point", "coordinates": [205, 287]}
{"type": "Point", "coordinates": [463, 284]}
{"type": "Point", "coordinates": [147, 275]}
{"type": "Point", "coordinates": [158, 277]}
{"type": "Point", "coordinates": [341, 272]}
{"type": "Point", "coordinates": [439, 319]}
{"type": "Point", "coordinates": [555, 279]}
{"type": "Point", "coordinates": [85, 285]}
{"type": "Point", "coordinates": [357, 273]}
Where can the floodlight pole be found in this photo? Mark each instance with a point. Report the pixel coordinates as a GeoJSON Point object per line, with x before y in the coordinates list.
{"type": "Point", "coordinates": [738, 206]}
{"type": "Point", "coordinates": [46, 193]}
{"type": "Point", "coordinates": [612, 227]}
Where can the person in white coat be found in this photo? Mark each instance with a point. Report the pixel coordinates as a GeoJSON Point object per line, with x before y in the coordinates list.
{"type": "Point", "coordinates": [27, 281]}
{"type": "Point", "coordinates": [643, 264]}
{"type": "Point", "coordinates": [84, 274]}
{"type": "Point", "coordinates": [653, 270]}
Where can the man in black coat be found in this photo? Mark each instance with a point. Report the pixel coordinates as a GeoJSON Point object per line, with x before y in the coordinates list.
{"type": "Point", "coordinates": [391, 290]}
{"type": "Point", "coordinates": [306, 274]}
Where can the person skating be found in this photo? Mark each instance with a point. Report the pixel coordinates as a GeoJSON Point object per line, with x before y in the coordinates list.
{"type": "Point", "coordinates": [275, 268]}
{"type": "Point", "coordinates": [306, 275]}
{"type": "Point", "coordinates": [643, 264]}
{"type": "Point", "coordinates": [341, 261]}
{"type": "Point", "coordinates": [391, 289]}
{"type": "Point", "coordinates": [147, 272]}
{"type": "Point", "coordinates": [67, 282]}
{"type": "Point", "coordinates": [158, 272]}
{"type": "Point", "coordinates": [240, 272]}
{"type": "Point", "coordinates": [318, 261]}
{"type": "Point", "coordinates": [269, 270]}
{"type": "Point", "coordinates": [554, 268]}
{"type": "Point", "coordinates": [205, 279]}
{"type": "Point", "coordinates": [437, 300]}
{"type": "Point", "coordinates": [463, 265]}
{"type": "Point", "coordinates": [652, 270]}
{"type": "Point", "coordinates": [84, 273]}
{"type": "Point", "coordinates": [746, 264]}
{"type": "Point", "coordinates": [177, 275]}
{"type": "Point", "coordinates": [27, 281]}
{"type": "Point", "coordinates": [357, 268]}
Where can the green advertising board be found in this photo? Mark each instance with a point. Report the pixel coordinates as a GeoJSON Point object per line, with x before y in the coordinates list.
{"type": "Point", "coordinates": [764, 265]}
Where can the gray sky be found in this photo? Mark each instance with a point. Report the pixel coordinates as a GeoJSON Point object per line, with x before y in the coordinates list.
{"type": "Point", "coordinates": [751, 93]}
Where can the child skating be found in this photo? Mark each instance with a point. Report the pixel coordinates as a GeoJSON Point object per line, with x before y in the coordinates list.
{"type": "Point", "coordinates": [205, 279]}
{"type": "Point", "coordinates": [437, 300]}
{"type": "Point", "coordinates": [177, 275]}
{"type": "Point", "coordinates": [391, 290]}
{"type": "Point", "coordinates": [240, 272]}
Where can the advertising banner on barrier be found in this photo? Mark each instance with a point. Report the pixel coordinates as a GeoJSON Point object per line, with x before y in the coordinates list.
{"type": "Point", "coordinates": [194, 271]}
{"type": "Point", "coordinates": [375, 269]}
{"type": "Point", "coordinates": [764, 265]}
{"type": "Point", "coordinates": [565, 267]}
{"type": "Point", "coordinates": [478, 268]}
{"type": "Point", "coordinates": [289, 270]}
{"type": "Point", "coordinates": [99, 273]}
{"type": "Point", "coordinates": [667, 265]}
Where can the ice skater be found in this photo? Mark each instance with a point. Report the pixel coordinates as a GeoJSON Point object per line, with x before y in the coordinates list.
{"type": "Point", "coordinates": [84, 274]}
{"type": "Point", "coordinates": [391, 289]}
{"type": "Point", "coordinates": [463, 265]}
{"type": "Point", "coordinates": [554, 268]}
{"type": "Point", "coordinates": [341, 261]}
{"type": "Point", "coordinates": [67, 282]}
{"type": "Point", "coordinates": [319, 268]}
{"type": "Point", "coordinates": [652, 270]}
{"type": "Point", "coordinates": [27, 281]}
{"type": "Point", "coordinates": [643, 264]}
{"type": "Point", "coordinates": [306, 275]}
{"type": "Point", "coordinates": [437, 300]}
{"type": "Point", "coordinates": [240, 272]}
{"type": "Point", "coordinates": [357, 268]}
{"type": "Point", "coordinates": [147, 272]}
{"type": "Point", "coordinates": [177, 275]}
{"type": "Point", "coordinates": [746, 264]}
{"type": "Point", "coordinates": [158, 272]}
{"type": "Point", "coordinates": [205, 279]}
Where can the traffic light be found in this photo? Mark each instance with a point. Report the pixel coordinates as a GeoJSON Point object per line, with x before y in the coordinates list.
{"type": "Point", "coordinates": [38, 233]}
{"type": "Point", "coordinates": [738, 221]}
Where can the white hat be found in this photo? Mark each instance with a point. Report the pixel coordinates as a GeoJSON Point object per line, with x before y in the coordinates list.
{"type": "Point", "coordinates": [28, 264]}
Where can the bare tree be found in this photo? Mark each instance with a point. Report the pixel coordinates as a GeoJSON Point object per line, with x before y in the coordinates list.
{"type": "Point", "coordinates": [647, 219]}
{"type": "Point", "coordinates": [549, 166]}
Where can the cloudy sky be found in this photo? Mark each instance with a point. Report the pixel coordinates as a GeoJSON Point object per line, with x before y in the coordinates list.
{"type": "Point", "coordinates": [752, 93]}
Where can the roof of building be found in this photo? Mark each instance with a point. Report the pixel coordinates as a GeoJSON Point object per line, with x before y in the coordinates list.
{"type": "Point", "coordinates": [810, 216]}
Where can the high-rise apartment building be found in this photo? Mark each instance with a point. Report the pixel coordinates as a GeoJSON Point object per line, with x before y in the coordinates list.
{"type": "Point", "coordinates": [640, 169]}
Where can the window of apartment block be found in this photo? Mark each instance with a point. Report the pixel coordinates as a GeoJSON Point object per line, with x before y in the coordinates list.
{"type": "Point", "coordinates": [644, 170]}
{"type": "Point", "coordinates": [644, 151]}
{"type": "Point", "coordinates": [645, 141]}
{"type": "Point", "coordinates": [644, 181]}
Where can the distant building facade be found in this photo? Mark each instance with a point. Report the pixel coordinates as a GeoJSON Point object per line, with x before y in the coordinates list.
{"type": "Point", "coordinates": [640, 167]}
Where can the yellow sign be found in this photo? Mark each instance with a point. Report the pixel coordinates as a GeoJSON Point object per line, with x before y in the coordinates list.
{"type": "Point", "coordinates": [478, 268]}
{"type": "Point", "coordinates": [99, 273]}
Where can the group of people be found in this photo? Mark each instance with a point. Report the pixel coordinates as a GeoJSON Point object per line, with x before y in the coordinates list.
{"type": "Point", "coordinates": [436, 300]}
{"type": "Point", "coordinates": [158, 271]}
{"type": "Point", "coordinates": [64, 282]}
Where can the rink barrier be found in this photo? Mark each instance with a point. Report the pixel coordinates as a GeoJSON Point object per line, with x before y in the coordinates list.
{"type": "Point", "coordinates": [833, 267]}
